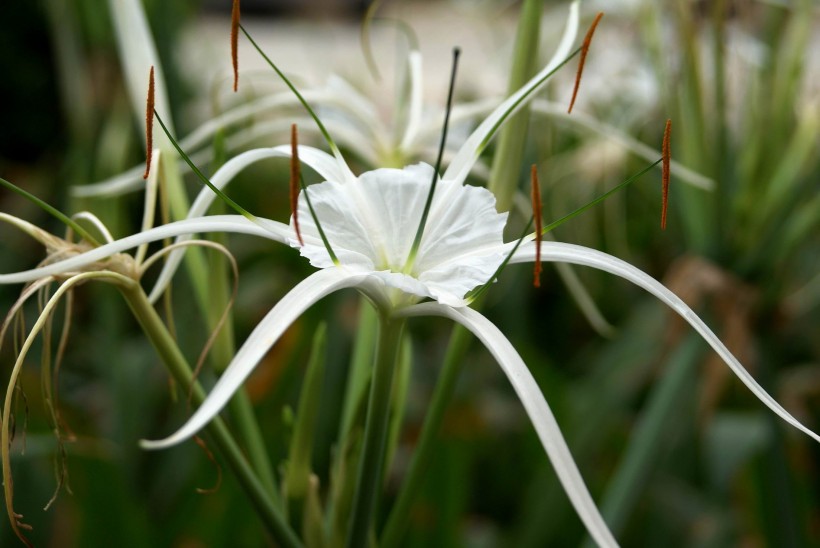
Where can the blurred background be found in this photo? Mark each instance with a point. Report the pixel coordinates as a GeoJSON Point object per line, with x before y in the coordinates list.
{"type": "Point", "coordinates": [671, 445]}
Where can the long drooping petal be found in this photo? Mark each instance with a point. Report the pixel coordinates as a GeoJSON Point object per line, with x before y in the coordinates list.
{"type": "Point", "coordinates": [263, 337]}
{"type": "Point", "coordinates": [536, 406]}
{"type": "Point", "coordinates": [415, 112]}
{"type": "Point", "coordinates": [463, 162]}
{"type": "Point", "coordinates": [214, 223]}
{"type": "Point", "coordinates": [575, 254]}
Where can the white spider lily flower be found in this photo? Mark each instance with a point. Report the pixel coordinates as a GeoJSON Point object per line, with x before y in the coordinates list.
{"type": "Point", "coordinates": [359, 126]}
{"type": "Point", "coordinates": [370, 222]}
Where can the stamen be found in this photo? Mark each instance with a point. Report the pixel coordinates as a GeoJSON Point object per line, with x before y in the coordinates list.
{"type": "Point", "coordinates": [536, 213]}
{"type": "Point", "coordinates": [600, 198]}
{"type": "Point", "coordinates": [333, 147]}
{"type": "Point", "coordinates": [295, 177]}
{"type": "Point", "coordinates": [232, 204]}
{"type": "Point", "coordinates": [420, 231]}
{"type": "Point", "coordinates": [477, 292]}
{"type": "Point", "coordinates": [234, 43]}
{"type": "Point", "coordinates": [149, 124]}
{"type": "Point", "coordinates": [667, 158]}
{"type": "Point", "coordinates": [582, 60]}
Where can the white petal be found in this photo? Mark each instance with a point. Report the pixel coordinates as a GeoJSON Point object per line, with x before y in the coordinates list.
{"type": "Point", "coordinates": [463, 219]}
{"type": "Point", "coordinates": [96, 222]}
{"type": "Point", "coordinates": [339, 216]}
{"type": "Point", "coordinates": [568, 253]}
{"type": "Point", "coordinates": [138, 54]}
{"type": "Point", "coordinates": [373, 221]}
{"type": "Point", "coordinates": [351, 107]}
{"type": "Point", "coordinates": [263, 337]}
{"type": "Point", "coordinates": [371, 227]}
{"type": "Point", "coordinates": [414, 116]}
{"type": "Point", "coordinates": [323, 163]}
{"type": "Point", "coordinates": [215, 223]}
{"type": "Point", "coordinates": [536, 406]}
{"type": "Point", "coordinates": [460, 167]}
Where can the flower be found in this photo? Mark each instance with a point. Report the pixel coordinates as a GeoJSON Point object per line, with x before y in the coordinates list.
{"type": "Point", "coordinates": [369, 222]}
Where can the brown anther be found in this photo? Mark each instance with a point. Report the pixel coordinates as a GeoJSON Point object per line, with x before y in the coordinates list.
{"type": "Point", "coordinates": [535, 194]}
{"type": "Point", "coordinates": [667, 158]}
{"type": "Point", "coordinates": [582, 60]}
{"type": "Point", "coordinates": [149, 124]}
{"type": "Point", "coordinates": [234, 43]}
{"type": "Point", "coordinates": [294, 180]}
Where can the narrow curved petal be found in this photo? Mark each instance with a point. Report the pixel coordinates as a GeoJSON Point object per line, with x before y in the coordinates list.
{"type": "Point", "coordinates": [575, 254]}
{"type": "Point", "coordinates": [536, 406]}
{"type": "Point", "coordinates": [461, 165]}
{"type": "Point", "coordinates": [95, 221]}
{"type": "Point", "coordinates": [215, 223]}
{"type": "Point", "coordinates": [414, 115]}
{"type": "Point", "coordinates": [350, 107]}
{"type": "Point", "coordinates": [138, 54]}
{"type": "Point", "coordinates": [122, 183]}
{"type": "Point", "coordinates": [263, 337]}
{"type": "Point", "coordinates": [323, 163]}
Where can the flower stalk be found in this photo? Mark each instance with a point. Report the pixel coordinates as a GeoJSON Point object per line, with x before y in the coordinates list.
{"type": "Point", "coordinates": [369, 476]}
{"type": "Point", "coordinates": [179, 368]}
{"type": "Point", "coordinates": [399, 517]}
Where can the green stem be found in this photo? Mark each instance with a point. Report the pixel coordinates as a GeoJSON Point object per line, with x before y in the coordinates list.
{"type": "Point", "coordinates": [513, 137]}
{"type": "Point", "coordinates": [240, 406]}
{"type": "Point", "coordinates": [248, 431]}
{"type": "Point", "coordinates": [178, 366]}
{"type": "Point", "coordinates": [411, 487]}
{"type": "Point", "coordinates": [375, 434]}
